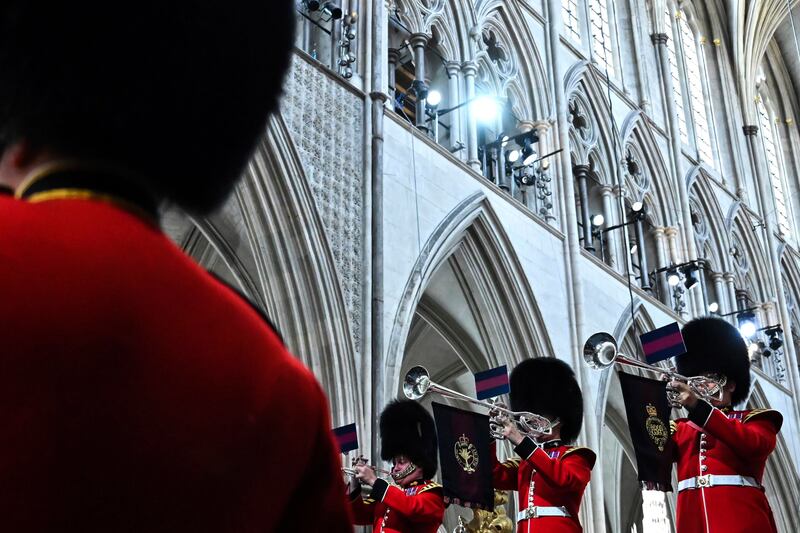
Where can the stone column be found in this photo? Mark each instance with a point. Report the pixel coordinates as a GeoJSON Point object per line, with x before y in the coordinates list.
{"type": "Point", "coordinates": [660, 42]}
{"type": "Point", "coordinates": [418, 42]}
{"type": "Point", "coordinates": [394, 58]}
{"type": "Point", "coordinates": [674, 249]}
{"type": "Point", "coordinates": [454, 99]}
{"type": "Point", "coordinates": [503, 181]}
{"type": "Point", "coordinates": [720, 293]}
{"type": "Point", "coordinates": [581, 173]}
{"type": "Point", "coordinates": [762, 184]}
{"type": "Point", "coordinates": [470, 70]}
{"type": "Point", "coordinates": [730, 284]}
{"type": "Point", "coordinates": [644, 271]}
{"type": "Point", "coordinates": [659, 235]}
{"type": "Point", "coordinates": [610, 244]}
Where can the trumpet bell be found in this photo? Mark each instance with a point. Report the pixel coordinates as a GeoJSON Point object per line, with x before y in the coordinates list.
{"type": "Point", "coordinates": [600, 351]}
{"type": "Point", "coordinates": [416, 383]}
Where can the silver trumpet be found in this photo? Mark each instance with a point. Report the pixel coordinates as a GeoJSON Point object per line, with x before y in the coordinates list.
{"type": "Point", "coordinates": [353, 472]}
{"type": "Point", "coordinates": [601, 351]}
{"type": "Point", "coordinates": [418, 383]}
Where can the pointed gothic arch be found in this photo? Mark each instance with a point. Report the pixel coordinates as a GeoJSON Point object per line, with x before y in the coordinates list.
{"type": "Point", "coordinates": [471, 243]}
{"type": "Point", "coordinates": [702, 196]}
{"type": "Point", "coordinates": [636, 133]}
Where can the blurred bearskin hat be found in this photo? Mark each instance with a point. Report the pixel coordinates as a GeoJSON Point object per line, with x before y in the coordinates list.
{"type": "Point", "coordinates": [547, 386]}
{"type": "Point", "coordinates": [175, 93]}
{"type": "Point", "coordinates": [407, 429]}
{"type": "Point", "coordinates": [714, 345]}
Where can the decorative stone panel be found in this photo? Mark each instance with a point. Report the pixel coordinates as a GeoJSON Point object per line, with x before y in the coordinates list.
{"type": "Point", "coordinates": [326, 122]}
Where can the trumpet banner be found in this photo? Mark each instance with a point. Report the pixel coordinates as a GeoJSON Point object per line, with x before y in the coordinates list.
{"type": "Point", "coordinates": [465, 456]}
{"type": "Point", "coordinates": [648, 412]}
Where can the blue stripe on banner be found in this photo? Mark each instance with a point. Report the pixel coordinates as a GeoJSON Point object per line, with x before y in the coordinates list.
{"type": "Point", "coordinates": [662, 343]}
{"type": "Point", "coordinates": [665, 331]}
{"type": "Point", "coordinates": [349, 428]}
{"type": "Point", "coordinates": [491, 373]}
{"type": "Point", "coordinates": [496, 391]}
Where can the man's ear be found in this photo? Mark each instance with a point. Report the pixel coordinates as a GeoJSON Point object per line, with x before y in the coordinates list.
{"type": "Point", "coordinates": [730, 386]}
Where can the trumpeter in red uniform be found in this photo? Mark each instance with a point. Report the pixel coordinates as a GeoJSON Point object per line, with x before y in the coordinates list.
{"type": "Point", "coordinates": [413, 503]}
{"type": "Point", "coordinates": [721, 452]}
{"type": "Point", "coordinates": [137, 392]}
{"type": "Point", "coordinates": [551, 474]}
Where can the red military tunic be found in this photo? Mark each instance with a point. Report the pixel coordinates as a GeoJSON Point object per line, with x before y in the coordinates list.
{"type": "Point", "coordinates": [418, 508]}
{"type": "Point", "coordinates": [559, 475]}
{"type": "Point", "coordinates": [723, 443]}
{"type": "Point", "coordinates": [138, 393]}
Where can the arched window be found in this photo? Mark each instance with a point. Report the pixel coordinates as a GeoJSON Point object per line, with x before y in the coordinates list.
{"type": "Point", "coordinates": [697, 100]}
{"type": "Point", "coordinates": [677, 89]}
{"type": "Point", "coordinates": [775, 166]}
{"type": "Point", "coordinates": [601, 35]}
{"type": "Point", "coordinates": [572, 24]}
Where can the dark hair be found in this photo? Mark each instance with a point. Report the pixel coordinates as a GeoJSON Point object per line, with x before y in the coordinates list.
{"type": "Point", "coordinates": [175, 91]}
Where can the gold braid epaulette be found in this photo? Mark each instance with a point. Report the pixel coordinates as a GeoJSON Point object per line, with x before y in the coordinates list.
{"type": "Point", "coordinates": [757, 412]}
{"type": "Point", "coordinates": [430, 486]}
{"type": "Point", "coordinates": [577, 448]}
{"type": "Point", "coordinates": [673, 427]}
{"type": "Point", "coordinates": [511, 463]}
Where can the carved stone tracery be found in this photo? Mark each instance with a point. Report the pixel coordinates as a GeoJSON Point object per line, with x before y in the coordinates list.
{"type": "Point", "coordinates": [326, 120]}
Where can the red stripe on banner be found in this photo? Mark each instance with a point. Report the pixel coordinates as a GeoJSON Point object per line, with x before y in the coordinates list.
{"type": "Point", "coordinates": [664, 342]}
{"type": "Point", "coordinates": [491, 383]}
{"type": "Point", "coordinates": [347, 439]}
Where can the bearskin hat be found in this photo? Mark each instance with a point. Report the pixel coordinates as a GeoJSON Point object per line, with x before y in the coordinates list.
{"type": "Point", "coordinates": [547, 386]}
{"type": "Point", "coordinates": [175, 92]}
{"type": "Point", "coordinates": [714, 345]}
{"type": "Point", "coordinates": [407, 429]}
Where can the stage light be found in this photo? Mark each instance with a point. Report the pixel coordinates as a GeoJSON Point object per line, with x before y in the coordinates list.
{"type": "Point", "coordinates": [598, 220]}
{"type": "Point", "coordinates": [485, 109]}
{"type": "Point", "coordinates": [312, 5]}
{"type": "Point", "coordinates": [690, 272]}
{"type": "Point", "coordinates": [332, 10]}
{"type": "Point", "coordinates": [528, 153]}
{"type": "Point", "coordinates": [775, 337]}
{"type": "Point", "coordinates": [513, 156]}
{"type": "Point", "coordinates": [747, 324]}
{"type": "Point", "coordinates": [434, 98]}
{"type": "Point", "coordinates": [713, 307]}
{"type": "Point", "coordinates": [673, 278]}
{"type": "Point", "coordinates": [637, 207]}
{"type": "Point", "coordinates": [634, 249]}
{"type": "Point", "coordinates": [504, 140]}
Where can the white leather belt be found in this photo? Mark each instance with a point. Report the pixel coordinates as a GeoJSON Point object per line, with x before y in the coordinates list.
{"type": "Point", "coordinates": [538, 512]}
{"type": "Point", "coordinates": [710, 480]}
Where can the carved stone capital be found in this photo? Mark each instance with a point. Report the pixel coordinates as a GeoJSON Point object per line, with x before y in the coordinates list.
{"type": "Point", "coordinates": [671, 232]}
{"type": "Point", "coordinates": [525, 126]}
{"type": "Point", "coordinates": [606, 190]}
{"type": "Point", "coordinates": [419, 40]}
{"type": "Point", "coordinates": [469, 68]}
{"type": "Point", "coordinates": [659, 232]}
{"type": "Point", "coordinates": [541, 127]}
{"type": "Point", "coordinates": [394, 56]}
{"type": "Point", "coordinates": [750, 130]}
{"type": "Point", "coordinates": [659, 38]}
{"type": "Point", "coordinates": [453, 68]}
{"type": "Point", "coordinates": [717, 277]}
{"type": "Point", "coordinates": [730, 277]}
{"type": "Point", "coordinates": [581, 171]}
